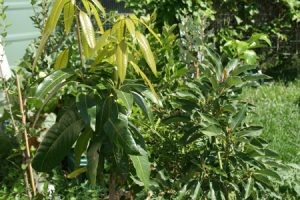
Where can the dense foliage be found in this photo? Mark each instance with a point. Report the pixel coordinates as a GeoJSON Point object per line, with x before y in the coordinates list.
{"type": "Point", "coordinates": [238, 20]}
{"type": "Point", "coordinates": [155, 109]}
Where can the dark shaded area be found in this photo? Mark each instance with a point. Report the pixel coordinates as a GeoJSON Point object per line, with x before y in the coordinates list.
{"type": "Point", "coordinates": [112, 5]}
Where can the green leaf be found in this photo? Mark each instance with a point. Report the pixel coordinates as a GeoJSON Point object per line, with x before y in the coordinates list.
{"type": "Point", "coordinates": [152, 32]}
{"type": "Point", "coordinates": [197, 192]}
{"type": "Point", "coordinates": [146, 50]}
{"type": "Point", "coordinates": [212, 192]}
{"type": "Point", "coordinates": [81, 145]}
{"type": "Point", "coordinates": [86, 6]}
{"type": "Point", "coordinates": [54, 15]}
{"type": "Point", "coordinates": [49, 27]}
{"type": "Point", "coordinates": [252, 131]}
{"type": "Point", "coordinates": [233, 63]}
{"type": "Point", "coordinates": [238, 118]}
{"type": "Point", "coordinates": [137, 21]}
{"type": "Point", "coordinates": [87, 28]}
{"type": "Point", "coordinates": [269, 173]}
{"type": "Point", "coordinates": [99, 6]}
{"type": "Point", "coordinates": [255, 77]}
{"type": "Point", "coordinates": [103, 40]}
{"type": "Point", "coordinates": [126, 98]}
{"type": "Point", "coordinates": [145, 78]}
{"type": "Point", "coordinates": [105, 108]}
{"type": "Point", "coordinates": [51, 82]}
{"type": "Point", "coordinates": [142, 166]}
{"type": "Point", "coordinates": [130, 27]}
{"type": "Point", "coordinates": [249, 188]}
{"type": "Point", "coordinates": [57, 142]}
{"type": "Point", "coordinates": [140, 101]}
{"type": "Point", "coordinates": [122, 60]}
{"type": "Point", "coordinates": [259, 36]}
{"type": "Point", "coordinates": [209, 119]}
{"type": "Point", "coordinates": [233, 81]}
{"type": "Point", "coordinates": [176, 119]}
{"type": "Point", "coordinates": [242, 69]}
{"type": "Point", "coordinates": [263, 179]}
{"type": "Point", "coordinates": [182, 193]}
{"type": "Point", "coordinates": [97, 18]}
{"type": "Point", "coordinates": [62, 60]}
{"type": "Point", "coordinates": [93, 159]}
{"type": "Point", "coordinates": [118, 129]}
{"type": "Point", "coordinates": [69, 15]}
{"type": "Point", "coordinates": [87, 51]}
{"type": "Point", "coordinates": [84, 102]}
{"type": "Point", "coordinates": [212, 131]}
{"type": "Point", "coordinates": [215, 61]}
{"type": "Point", "coordinates": [250, 57]}
{"type": "Point", "coordinates": [76, 172]}
{"type": "Point", "coordinates": [134, 18]}
{"type": "Point", "coordinates": [119, 29]}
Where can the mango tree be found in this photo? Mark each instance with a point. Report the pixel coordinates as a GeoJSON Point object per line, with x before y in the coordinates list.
{"type": "Point", "coordinates": [95, 119]}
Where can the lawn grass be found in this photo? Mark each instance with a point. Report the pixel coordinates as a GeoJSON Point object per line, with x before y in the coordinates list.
{"type": "Point", "coordinates": [278, 111]}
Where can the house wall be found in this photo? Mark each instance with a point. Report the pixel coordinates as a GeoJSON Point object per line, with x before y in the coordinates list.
{"type": "Point", "coordinates": [21, 31]}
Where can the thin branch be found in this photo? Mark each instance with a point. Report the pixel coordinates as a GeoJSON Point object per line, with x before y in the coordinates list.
{"type": "Point", "coordinates": [27, 152]}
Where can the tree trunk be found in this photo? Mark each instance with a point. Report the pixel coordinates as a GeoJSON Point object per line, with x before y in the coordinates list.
{"type": "Point", "coordinates": [113, 194]}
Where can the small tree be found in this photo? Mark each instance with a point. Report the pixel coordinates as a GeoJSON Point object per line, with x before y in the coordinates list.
{"type": "Point", "coordinates": [97, 98]}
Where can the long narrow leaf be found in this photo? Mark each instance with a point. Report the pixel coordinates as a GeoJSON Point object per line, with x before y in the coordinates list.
{"type": "Point", "coordinates": [93, 159]}
{"type": "Point", "coordinates": [50, 83]}
{"type": "Point", "coordinates": [140, 101]}
{"type": "Point", "coordinates": [249, 188]}
{"type": "Point", "coordinates": [126, 98]}
{"type": "Point", "coordinates": [144, 77]}
{"type": "Point", "coordinates": [81, 145]}
{"type": "Point", "coordinates": [197, 191]}
{"type": "Point", "coordinates": [103, 40]}
{"type": "Point", "coordinates": [49, 27]}
{"type": "Point", "coordinates": [99, 6]}
{"type": "Point", "coordinates": [87, 50]}
{"type": "Point", "coordinates": [86, 6]}
{"type": "Point", "coordinates": [69, 10]}
{"type": "Point", "coordinates": [122, 60]}
{"type": "Point", "coordinates": [142, 167]}
{"type": "Point", "coordinates": [62, 60]}
{"type": "Point", "coordinates": [87, 28]}
{"type": "Point", "coordinates": [54, 15]}
{"type": "Point", "coordinates": [97, 18]}
{"type": "Point", "coordinates": [76, 172]}
{"type": "Point", "coordinates": [146, 50]}
{"type": "Point", "coordinates": [238, 118]}
{"type": "Point", "coordinates": [151, 31]}
{"type": "Point", "coordinates": [130, 27]}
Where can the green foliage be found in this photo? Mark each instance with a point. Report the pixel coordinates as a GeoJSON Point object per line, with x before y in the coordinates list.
{"type": "Point", "coordinates": [243, 49]}
{"type": "Point", "coordinates": [98, 94]}
{"type": "Point", "coordinates": [195, 142]}
{"type": "Point", "coordinates": [223, 156]}
{"type": "Point", "coordinates": [237, 20]}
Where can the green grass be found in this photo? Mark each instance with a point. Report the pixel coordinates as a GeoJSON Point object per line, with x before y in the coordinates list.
{"type": "Point", "coordinates": [278, 111]}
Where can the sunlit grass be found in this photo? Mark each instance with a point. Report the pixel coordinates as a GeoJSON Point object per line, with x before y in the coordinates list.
{"type": "Point", "coordinates": [278, 110]}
